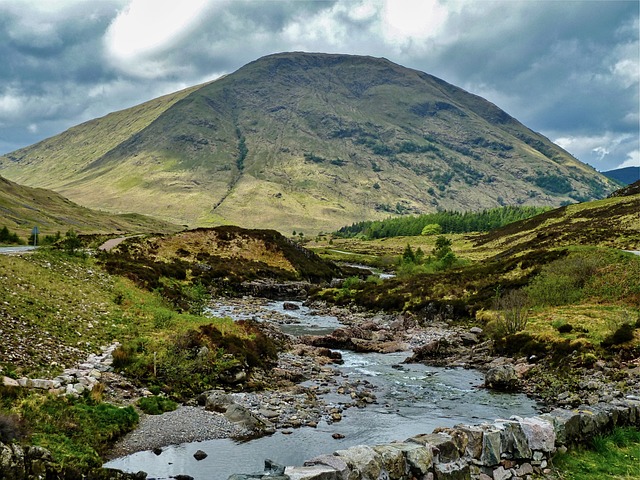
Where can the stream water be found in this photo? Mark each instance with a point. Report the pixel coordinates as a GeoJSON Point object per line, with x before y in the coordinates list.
{"type": "Point", "coordinates": [411, 399]}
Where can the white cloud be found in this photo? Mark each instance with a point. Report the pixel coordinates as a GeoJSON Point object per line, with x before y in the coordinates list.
{"type": "Point", "coordinates": [144, 29]}
{"type": "Point", "coordinates": [10, 104]}
{"type": "Point", "coordinates": [32, 128]}
{"type": "Point", "coordinates": [633, 160]}
{"type": "Point", "coordinates": [602, 151]}
{"type": "Point", "coordinates": [410, 23]}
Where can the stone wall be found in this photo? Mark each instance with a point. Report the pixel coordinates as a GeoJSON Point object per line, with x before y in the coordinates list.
{"type": "Point", "coordinates": [514, 449]}
{"type": "Point", "coordinates": [72, 381]}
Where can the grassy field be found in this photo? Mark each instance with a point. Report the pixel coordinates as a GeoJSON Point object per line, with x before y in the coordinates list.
{"type": "Point", "coordinates": [56, 308]}
{"type": "Point", "coordinates": [610, 457]}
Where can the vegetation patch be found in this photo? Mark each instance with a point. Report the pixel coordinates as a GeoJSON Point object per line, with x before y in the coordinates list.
{"type": "Point", "coordinates": [156, 405]}
{"type": "Point", "coordinates": [607, 457]}
{"type": "Point", "coordinates": [447, 221]}
{"type": "Point", "coordinates": [77, 431]}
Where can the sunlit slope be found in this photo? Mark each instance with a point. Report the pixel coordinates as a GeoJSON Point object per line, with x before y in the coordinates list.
{"type": "Point", "coordinates": [22, 208]}
{"type": "Point", "coordinates": [307, 142]}
{"type": "Point", "coordinates": [611, 222]}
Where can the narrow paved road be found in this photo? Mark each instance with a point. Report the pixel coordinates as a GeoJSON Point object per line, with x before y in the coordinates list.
{"type": "Point", "coordinates": [16, 250]}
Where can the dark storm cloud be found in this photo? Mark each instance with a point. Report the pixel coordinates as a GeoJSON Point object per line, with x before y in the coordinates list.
{"type": "Point", "coordinates": [566, 69]}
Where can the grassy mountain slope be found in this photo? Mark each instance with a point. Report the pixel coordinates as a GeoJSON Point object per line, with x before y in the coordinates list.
{"type": "Point", "coordinates": [612, 222]}
{"type": "Point", "coordinates": [307, 142]}
{"type": "Point", "coordinates": [21, 208]}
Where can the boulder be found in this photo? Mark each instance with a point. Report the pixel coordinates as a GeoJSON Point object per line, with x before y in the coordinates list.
{"type": "Point", "coordinates": [444, 448]}
{"type": "Point", "coordinates": [217, 401]}
{"type": "Point", "coordinates": [313, 472]}
{"type": "Point", "coordinates": [290, 306]}
{"type": "Point", "coordinates": [10, 382]}
{"type": "Point", "coordinates": [243, 416]}
{"type": "Point", "coordinates": [491, 447]}
{"type": "Point", "coordinates": [474, 440]}
{"type": "Point", "coordinates": [419, 458]}
{"type": "Point", "coordinates": [393, 461]}
{"type": "Point", "coordinates": [363, 462]}
{"type": "Point", "coordinates": [566, 424]}
{"type": "Point", "coordinates": [539, 433]}
{"type": "Point", "coordinates": [503, 378]}
{"type": "Point", "coordinates": [332, 461]}
{"type": "Point", "coordinates": [200, 455]}
{"type": "Point", "coordinates": [458, 470]}
{"type": "Point", "coordinates": [514, 441]}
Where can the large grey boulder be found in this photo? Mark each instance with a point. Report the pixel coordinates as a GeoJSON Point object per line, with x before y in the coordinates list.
{"type": "Point", "coordinates": [443, 445]}
{"type": "Point", "coordinates": [363, 462]}
{"type": "Point", "coordinates": [539, 433]}
{"type": "Point", "coordinates": [491, 447]}
{"type": "Point", "coordinates": [243, 416]}
{"type": "Point", "coordinates": [217, 401]}
{"type": "Point", "coordinates": [332, 461]}
{"type": "Point", "coordinates": [393, 461]}
{"type": "Point", "coordinates": [313, 472]}
{"type": "Point", "coordinates": [503, 378]}
{"type": "Point", "coordinates": [458, 470]}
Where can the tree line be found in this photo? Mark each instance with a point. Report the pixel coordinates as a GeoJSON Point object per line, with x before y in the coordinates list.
{"type": "Point", "coordinates": [440, 222]}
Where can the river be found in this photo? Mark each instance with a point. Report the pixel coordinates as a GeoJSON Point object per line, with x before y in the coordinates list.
{"type": "Point", "coordinates": [411, 399]}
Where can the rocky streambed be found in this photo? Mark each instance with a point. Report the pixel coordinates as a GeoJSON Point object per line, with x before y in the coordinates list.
{"type": "Point", "coordinates": [342, 383]}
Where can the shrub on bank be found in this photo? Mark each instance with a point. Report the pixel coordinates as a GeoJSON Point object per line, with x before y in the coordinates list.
{"type": "Point", "coordinates": [156, 405]}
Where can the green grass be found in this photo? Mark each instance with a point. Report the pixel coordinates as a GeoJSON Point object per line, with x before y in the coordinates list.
{"type": "Point", "coordinates": [156, 405]}
{"type": "Point", "coordinates": [610, 457]}
{"type": "Point", "coordinates": [77, 431]}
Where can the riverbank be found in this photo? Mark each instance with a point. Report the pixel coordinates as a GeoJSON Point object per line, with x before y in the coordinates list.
{"type": "Point", "coordinates": [307, 371]}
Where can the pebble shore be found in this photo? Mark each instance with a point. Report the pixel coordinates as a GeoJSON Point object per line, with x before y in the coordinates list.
{"type": "Point", "coordinates": [186, 424]}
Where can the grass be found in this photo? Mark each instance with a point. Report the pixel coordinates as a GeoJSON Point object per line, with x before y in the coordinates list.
{"type": "Point", "coordinates": [610, 457]}
{"type": "Point", "coordinates": [75, 430]}
{"type": "Point", "coordinates": [57, 308]}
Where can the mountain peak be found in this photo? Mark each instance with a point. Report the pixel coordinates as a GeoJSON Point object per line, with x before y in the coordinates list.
{"type": "Point", "coordinates": [307, 141]}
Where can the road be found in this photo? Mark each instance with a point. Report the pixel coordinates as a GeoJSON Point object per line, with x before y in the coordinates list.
{"type": "Point", "coordinates": [16, 250]}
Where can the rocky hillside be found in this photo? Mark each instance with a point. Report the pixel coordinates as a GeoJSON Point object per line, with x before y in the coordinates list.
{"type": "Point", "coordinates": [22, 208]}
{"type": "Point", "coordinates": [223, 258]}
{"type": "Point", "coordinates": [307, 142]}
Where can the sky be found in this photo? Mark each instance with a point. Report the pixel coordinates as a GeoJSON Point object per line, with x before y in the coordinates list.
{"type": "Point", "coordinates": [567, 69]}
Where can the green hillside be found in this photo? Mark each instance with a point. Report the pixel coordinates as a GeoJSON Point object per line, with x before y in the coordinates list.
{"type": "Point", "coordinates": [22, 208]}
{"type": "Point", "coordinates": [307, 142]}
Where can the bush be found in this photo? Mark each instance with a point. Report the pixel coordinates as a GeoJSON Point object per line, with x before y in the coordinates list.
{"type": "Point", "coordinates": [514, 312]}
{"type": "Point", "coordinates": [156, 405]}
{"type": "Point", "coordinates": [562, 281]}
{"type": "Point", "coordinates": [431, 229]}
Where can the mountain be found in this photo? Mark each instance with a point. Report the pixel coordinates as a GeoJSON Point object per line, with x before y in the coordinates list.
{"type": "Point", "coordinates": [306, 142]}
{"type": "Point", "coordinates": [22, 208]}
{"type": "Point", "coordinates": [627, 175]}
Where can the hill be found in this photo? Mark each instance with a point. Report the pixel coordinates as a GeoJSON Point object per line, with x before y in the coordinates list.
{"type": "Point", "coordinates": [627, 175]}
{"type": "Point", "coordinates": [22, 208]}
{"type": "Point", "coordinates": [307, 142]}
{"type": "Point", "coordinates": [611, 222]}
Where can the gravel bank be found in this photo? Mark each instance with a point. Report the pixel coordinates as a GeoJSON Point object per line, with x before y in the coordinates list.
{"type": "Point", "coordinates": [186, 424]}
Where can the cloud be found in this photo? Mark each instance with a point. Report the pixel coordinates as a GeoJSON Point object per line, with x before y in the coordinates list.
{"type": "Point", "coordinates": [633, 160]}
{"type": "Point", "coordinates": [566, 69]}
{"type": "Point", "coordinates": [607, 151]}
{"type": "Point", "coordinates": [146, 29]}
